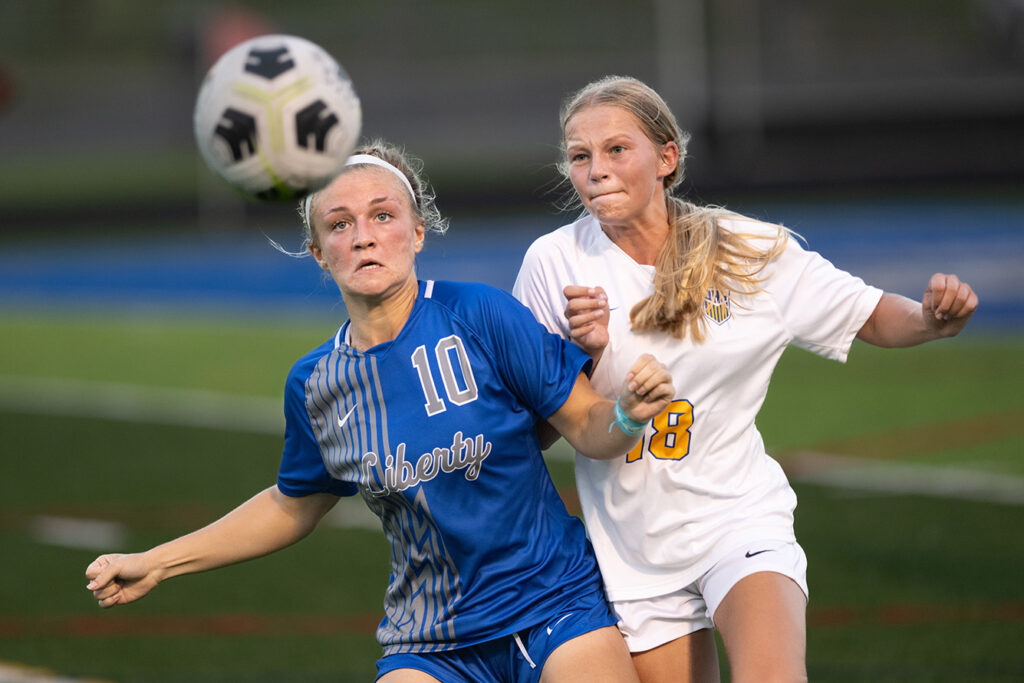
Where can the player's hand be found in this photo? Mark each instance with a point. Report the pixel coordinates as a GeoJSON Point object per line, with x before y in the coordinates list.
{"type": "Point", "coordinates": [648, 389]}
{"type": "Point", "coordinates": [120, 579]}
{"type": "Point", "coordinates": [587, 312]}
{"type": "Point", "coordinates": [947, 304]}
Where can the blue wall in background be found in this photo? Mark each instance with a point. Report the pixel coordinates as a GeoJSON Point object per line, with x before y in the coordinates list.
{"type": "Point", "coordinates": [893, 244]}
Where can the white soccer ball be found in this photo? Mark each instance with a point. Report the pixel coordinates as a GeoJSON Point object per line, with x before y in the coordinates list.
{"type": "Point", "coordinates": [276, 117]}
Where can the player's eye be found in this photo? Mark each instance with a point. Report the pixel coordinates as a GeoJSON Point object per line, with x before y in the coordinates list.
{"type": "Point", "coordinates": [617, 149]}
{"type": "Point", "coordinates": [577, 157]}
{"type": "Point", "coordinates": [382, 217]}
{"type": "Point", "coordinates": [339, 225]}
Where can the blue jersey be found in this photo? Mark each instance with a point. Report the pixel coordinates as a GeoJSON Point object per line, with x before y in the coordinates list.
{"type": "Point", "coordinates": [435, 430]}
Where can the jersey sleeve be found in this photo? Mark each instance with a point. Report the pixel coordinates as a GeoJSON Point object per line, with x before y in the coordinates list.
{"type": "Point", "coordinates": [302, 470]}
{"type": "Point", "coordinates": [539, 367]}
{"type": "Point", "coordinates": [542, 276]}
{"type": "Point", "coordinates": [822, 306]}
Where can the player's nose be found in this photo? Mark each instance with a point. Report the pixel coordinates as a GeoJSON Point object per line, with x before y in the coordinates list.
{"type": "Point", "coordinates": [363, 235]}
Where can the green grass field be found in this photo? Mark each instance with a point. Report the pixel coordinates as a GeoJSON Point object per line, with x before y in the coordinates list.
{"type": "Point", "coordinates": [907, 586]}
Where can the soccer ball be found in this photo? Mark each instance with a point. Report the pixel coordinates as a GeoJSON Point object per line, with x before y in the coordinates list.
{"type": "Point", "coordinates": [276, 117]}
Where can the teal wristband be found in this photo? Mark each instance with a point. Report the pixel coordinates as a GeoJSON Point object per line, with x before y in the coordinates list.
{"type": "Point", "coordinates": [627, 425]}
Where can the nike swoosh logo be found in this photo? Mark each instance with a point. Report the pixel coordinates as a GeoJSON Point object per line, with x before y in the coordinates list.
{"type": "Point", "coordinates": [550, 628]}
{"type": "Point", "coordinates": [750, 554]}
{"type": "Point", "coordinates": [343, 420]}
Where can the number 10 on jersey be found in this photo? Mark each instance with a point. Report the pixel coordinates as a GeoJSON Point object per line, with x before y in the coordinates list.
{"type": "Point", "coordinates": [459, 393]}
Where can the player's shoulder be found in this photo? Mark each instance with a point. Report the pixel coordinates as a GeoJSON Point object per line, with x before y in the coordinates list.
{"type": "Point", "coordinates": [770, 237]}
{"type": "Point", "coordinates": [745, 225]}
{"type": "Point", "coordinates": [565, 236]}
{"type": "Point", "coordinates": [303, 367]}
{"type": "Point", "coordinates": [481, 310]}
{"type": "Point", "coordinates": [564, 245]}
{"type": "Point", "coordinates": [467, 297]}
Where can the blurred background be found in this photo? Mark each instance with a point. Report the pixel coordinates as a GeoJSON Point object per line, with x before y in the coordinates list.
{"type": "Point", "coordinates": [144, 313]}
{"type": "Point", "coordinates": [779, 94]}
{"type": "Point", "coordinates": [876, 118]}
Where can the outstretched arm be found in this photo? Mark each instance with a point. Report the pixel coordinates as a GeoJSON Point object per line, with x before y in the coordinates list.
{"type": "Point", "coordinates": [944, 310]}
{"type": "Point", "coordinates": [266, 522]}
{"type": "Point", "coordinates": [588, 420]}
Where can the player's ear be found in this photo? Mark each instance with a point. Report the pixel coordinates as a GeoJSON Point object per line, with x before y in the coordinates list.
{"type": "Point", "coordinates": [669, 158]}
{"type": "Point", "coordinates": [420, 231]}
{"type": "Point", "coordinates": [318, 254]}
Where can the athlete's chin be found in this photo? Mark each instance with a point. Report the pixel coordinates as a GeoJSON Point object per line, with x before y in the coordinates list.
{"type": "Point", "coordinates": [608, 212]}
{"type": "Point", "coordinates": [366, 285]}
{"type": "Point", "coordinates": [377, 287]}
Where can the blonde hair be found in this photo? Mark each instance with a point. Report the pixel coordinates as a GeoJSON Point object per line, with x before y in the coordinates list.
{"type": "Point", "coordinates": [699, 256]}
{"type": "Point", "coordinates": [423, 199]}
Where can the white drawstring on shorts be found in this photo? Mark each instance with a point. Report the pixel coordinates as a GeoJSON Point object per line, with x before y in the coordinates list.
{"type": "Point", "coordinates": [522, 648]}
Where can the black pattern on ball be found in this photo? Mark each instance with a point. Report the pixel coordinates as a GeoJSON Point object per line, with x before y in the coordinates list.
{"type": "Point", "coordinates": [238, 130]}
{"type": "Point", "coordinates": [269, 63]}
{"type": "Point", "coordinates": [314, 119]}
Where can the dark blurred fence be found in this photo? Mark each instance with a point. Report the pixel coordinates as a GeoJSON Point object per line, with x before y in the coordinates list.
{"type": "Point", "coordinates": [779, 94]}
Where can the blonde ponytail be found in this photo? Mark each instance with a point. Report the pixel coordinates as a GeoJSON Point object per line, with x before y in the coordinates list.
{"type": "Point", "coordinates": [699, 257]}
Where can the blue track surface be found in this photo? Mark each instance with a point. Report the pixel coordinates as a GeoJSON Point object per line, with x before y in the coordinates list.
{"type": "Point", "coordinates": [895, 245]}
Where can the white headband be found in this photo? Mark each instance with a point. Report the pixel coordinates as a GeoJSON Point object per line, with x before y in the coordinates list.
{"type": "Point", "coordinates": [356, 160]}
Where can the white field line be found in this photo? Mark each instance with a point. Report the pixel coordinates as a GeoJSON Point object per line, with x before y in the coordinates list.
{"type": "Point", "coordinates": [12, 672]}
{"type": "Point", "coordinates": [75, 532]}
{"type": "Point", "coordinates": [135, 403]}
{"type": "Point", "coordinates": [863, 474]}
{"type": "Point", "coordinates": [252, 414]}
{"type": "Point", "coordinates": [105, 536]}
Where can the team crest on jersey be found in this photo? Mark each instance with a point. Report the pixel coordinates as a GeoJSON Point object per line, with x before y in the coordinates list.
{"type": "Point", "coordinates": [716, 306]}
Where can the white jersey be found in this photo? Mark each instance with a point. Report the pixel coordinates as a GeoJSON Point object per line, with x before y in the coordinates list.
{"type": "Point", "coordinates": [700, 481]}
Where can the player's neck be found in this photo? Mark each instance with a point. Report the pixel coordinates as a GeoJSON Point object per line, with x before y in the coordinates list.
{"type": "Point", "coordinates": [377, 322]}
{"type": "Point", "coordinates": [641, 242]}
{"type": "Point", "coordinates": [643, 236]}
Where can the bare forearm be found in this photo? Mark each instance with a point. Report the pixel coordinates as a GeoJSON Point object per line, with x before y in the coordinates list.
{"type": "Point", "coordinates": [896, 322]}
{"type": "Point", "coordinates": [263, 524]}
{"type": "Point", "coordinates": [599, 437]}
{"type": "Point", "coordinates": [266, 522]}
{"type": "Point", "coordinates": [947, 305]}
{"type": "Point", "coordinates": [603, 429]}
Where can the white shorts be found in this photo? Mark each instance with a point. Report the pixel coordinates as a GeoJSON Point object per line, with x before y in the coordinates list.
{"type": "Point", "coordinates": [649, 622]}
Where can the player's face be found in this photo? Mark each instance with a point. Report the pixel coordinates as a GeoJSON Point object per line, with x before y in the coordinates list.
{"type": "Point", "coordinates": [367, 235]}
{"type": "Point", "coordinates": [615, 168]}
